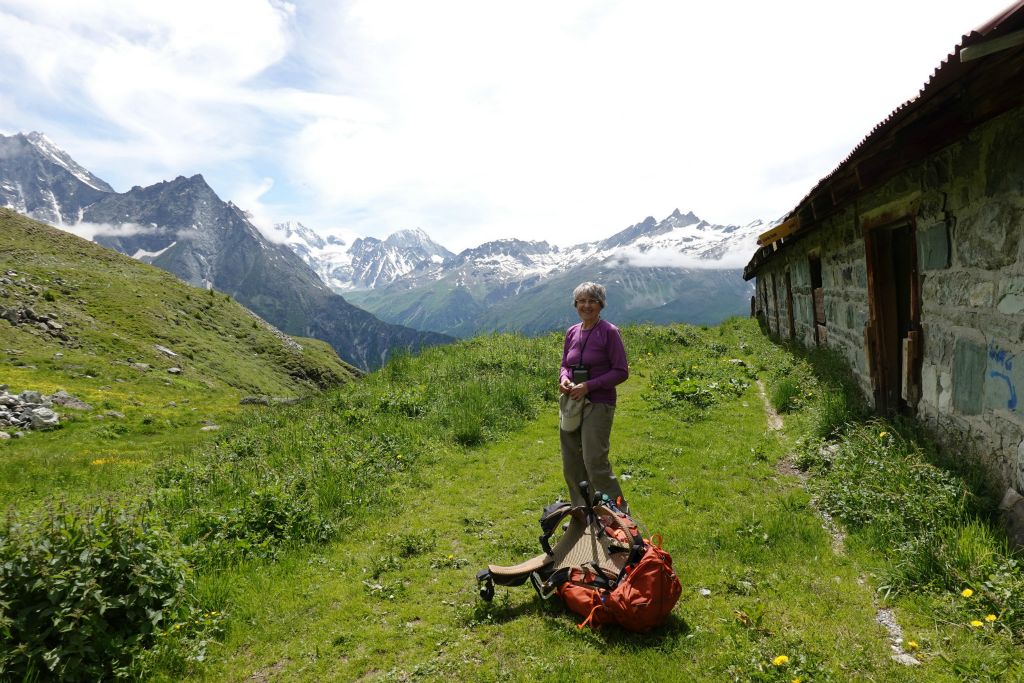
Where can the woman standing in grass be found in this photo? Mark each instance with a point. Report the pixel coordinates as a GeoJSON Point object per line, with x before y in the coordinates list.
{"type": "Point", "coordinates": [593, 363]}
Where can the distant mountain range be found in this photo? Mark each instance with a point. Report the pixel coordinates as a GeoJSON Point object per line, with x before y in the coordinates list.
{"type": "Point", "coordinates": [681, 268]}
{"type": "Point", "coordinates": [183, 227]}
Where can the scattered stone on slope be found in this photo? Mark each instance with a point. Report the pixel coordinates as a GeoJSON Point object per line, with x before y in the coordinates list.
{"type": "Point", "coordinates": [285, 340]}
{"type": "Point", "coordinates": [42, 418]}
{"type": "Point", "coordinates": [268, 400]}
{"type": "Point", "coordinates": [887, 618]}
{"type": "Point", "coordinates": [33, 409]}
{"type": "Point", "coordinates": [28, 317]}
{"type": "Point", "coordinates": [27, 410]}
{"type": "Point", "coordinates": [164, 350]}
{"type": "Point", "coordinates": [63, 398]}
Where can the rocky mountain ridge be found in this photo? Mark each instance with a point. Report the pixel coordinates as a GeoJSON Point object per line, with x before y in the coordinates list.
{"type": "Point", "coordinates": [182, 226]}
{"type": "Point", "coordinates": [654, 266]}
{"type": "Point", "coordinates": [682, 239]}
{"type": "Point", "coordinates": [39, 180]}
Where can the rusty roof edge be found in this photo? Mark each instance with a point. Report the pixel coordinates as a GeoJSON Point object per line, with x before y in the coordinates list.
{"type": "Point", "coordinates": [951, 62]}
{"type": "Point", "coordinates": [997, 20]}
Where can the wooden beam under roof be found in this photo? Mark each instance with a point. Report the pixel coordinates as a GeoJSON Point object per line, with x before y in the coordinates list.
{"type": "Point", "coordinates": [988, 47]}
{"type": "Point", "coordinates": [783, 229]}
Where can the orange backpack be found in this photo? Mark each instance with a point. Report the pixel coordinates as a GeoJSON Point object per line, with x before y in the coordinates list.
{"type": "Point", "coordinates": [602, 567]}
{"type": "Point", "coordinates": [638, 601]}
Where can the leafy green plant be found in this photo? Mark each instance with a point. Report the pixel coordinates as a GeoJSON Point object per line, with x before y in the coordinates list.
{"type": "Point", "coordinates": [694, 386]}
{"type": "Point", "coordinates": [267, 520]}
{"type": "Point", "coordinates": [84, 592]}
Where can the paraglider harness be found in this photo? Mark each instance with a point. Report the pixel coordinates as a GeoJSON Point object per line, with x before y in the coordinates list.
{"type": "Point", "coordinates": [601, 566]}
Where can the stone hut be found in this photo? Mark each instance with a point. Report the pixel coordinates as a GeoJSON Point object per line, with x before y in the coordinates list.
{"type": "Point", "coordinates": [908, 259]}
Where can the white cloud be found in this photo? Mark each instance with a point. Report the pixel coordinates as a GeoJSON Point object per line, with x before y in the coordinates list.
{"type": "Point", "coordinates": [90, 231]}
{"type": "Point", "coordinates": [560, 121]}
{"type": "Point", "coordinates": [737, 257]}
{"type": "Point", "coordinates": [248, 197]}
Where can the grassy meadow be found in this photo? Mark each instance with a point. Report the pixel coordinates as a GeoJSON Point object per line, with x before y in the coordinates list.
{"type": "Point", "coordinates": [121, 321]}
{"type": "Point", "coordinates": [338, 539]}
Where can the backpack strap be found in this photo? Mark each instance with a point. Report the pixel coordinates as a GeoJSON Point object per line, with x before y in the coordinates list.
{"type": "Point", "coordinates": [549, 520]}
{"type": "Point", "coordinates": [637, 545]}
{"type": "Point", "coordinates": [590, 617]}
{"type": "Point", "coordinates": [620, 519]}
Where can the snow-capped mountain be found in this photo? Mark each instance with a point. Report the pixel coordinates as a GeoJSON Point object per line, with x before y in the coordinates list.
{"type": "Point", "coordinates": [679, 268]}
{"type": "Point", "coordinates": [40, 180]}
{"type": "Point", "coordinates": [367, 262]}
{"type": "Point", "coordinates": [410, 258]}
{"type": "Point", "coordinates": [658, 265]}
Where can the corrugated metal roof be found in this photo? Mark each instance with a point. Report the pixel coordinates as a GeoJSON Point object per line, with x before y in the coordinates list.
{"type": "Point", "coordinates": [946, 73]}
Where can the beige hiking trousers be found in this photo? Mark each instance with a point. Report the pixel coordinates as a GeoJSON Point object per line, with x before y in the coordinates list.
{"type": "Point", "coordinates": [585, 454]}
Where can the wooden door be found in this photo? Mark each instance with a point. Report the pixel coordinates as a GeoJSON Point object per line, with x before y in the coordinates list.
{"type": "Point", "coordinates": [818, 294]}
{"type": "Point", "coordinates": [892, 335]}
{"type": "Point", "coordinates": [789, 306]}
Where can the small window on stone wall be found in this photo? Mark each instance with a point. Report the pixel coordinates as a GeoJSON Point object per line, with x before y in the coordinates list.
{"type": "Point", "coordinates": [818, 294]}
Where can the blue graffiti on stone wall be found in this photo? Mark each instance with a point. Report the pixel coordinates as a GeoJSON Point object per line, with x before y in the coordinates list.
{"type": "Point", "coordinates": [1000, 363]}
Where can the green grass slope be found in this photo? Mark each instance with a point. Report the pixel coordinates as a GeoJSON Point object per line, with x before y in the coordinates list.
{"type": "Point", "coordinates": [338, 539]}
{"type": "Point", "coordinates": [114, 313]}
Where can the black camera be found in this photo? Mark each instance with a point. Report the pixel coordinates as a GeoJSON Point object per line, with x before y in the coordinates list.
{"type": "Point", "coordinates": [580, 374]}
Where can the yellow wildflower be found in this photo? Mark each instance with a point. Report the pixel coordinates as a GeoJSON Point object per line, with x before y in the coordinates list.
{"type": "Point", "coordinates": [975, 623]}
{"type": "Point", "coordinates": [99, 461]}
{"type": "Point", "coordinates": [882, 435]}
{"type": "Point", "coordinates": [797, 680]}
{"type": "Point", "coordinates": [967, 592]}
{"type": "Point", "coordinates": [912, 645]}
{"type": "Point", "coordinates": [781, 660]}
{"type": "Point", "coordinates": [990, 618]}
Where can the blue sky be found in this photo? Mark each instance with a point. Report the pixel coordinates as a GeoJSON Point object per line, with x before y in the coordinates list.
{"type": "Point", "coordinates": [472, 120]}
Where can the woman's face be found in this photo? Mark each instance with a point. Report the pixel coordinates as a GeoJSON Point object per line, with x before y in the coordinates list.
{"type": "Point", "coordinates": [588, 309]}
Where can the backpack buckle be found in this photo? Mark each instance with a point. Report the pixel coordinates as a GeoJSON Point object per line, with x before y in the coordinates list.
{"type": "Point", "coordinates": [538, 585]}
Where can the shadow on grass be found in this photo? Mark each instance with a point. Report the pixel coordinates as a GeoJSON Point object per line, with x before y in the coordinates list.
{"type": "Point", "coordinates": [557, 618]}
{"type": "Point", "coordinates": [667, 634]}
{"type": "Point", "coordinates": [842, 404]}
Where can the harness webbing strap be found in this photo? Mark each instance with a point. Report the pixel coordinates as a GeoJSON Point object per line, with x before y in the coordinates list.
{"type": "Point", "coordinates": [590, 617]}
{"type": "Point", "coordinates": [549, 521]}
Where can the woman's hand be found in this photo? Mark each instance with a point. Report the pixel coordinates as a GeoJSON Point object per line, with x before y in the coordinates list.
{"type": "Point", "coordinates": [566, 386]}
{"type": "Point", "coordinates": [579, 391]}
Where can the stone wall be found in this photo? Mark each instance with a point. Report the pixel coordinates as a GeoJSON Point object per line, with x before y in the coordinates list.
{"type": "Point", "coordinates": [968, 212]}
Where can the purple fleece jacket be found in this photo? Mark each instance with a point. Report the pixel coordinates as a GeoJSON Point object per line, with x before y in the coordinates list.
{"type": "Point", "coordinates": [603, 353]}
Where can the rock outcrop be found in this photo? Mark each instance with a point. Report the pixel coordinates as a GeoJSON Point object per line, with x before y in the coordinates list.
{"type": "Point", "coordinates": [33, 410]}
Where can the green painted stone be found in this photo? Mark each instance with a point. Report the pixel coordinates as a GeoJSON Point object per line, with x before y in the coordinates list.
{"type": "Point", "coordinates": [969, 365]}
{"type": "Point", "coordinates": [861, 274]}
{"type": "Point", "coordinates": [933, 247]}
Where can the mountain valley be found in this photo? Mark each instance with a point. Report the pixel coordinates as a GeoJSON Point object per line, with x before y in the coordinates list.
{"type": "Point", "coordinates": [408, 291]}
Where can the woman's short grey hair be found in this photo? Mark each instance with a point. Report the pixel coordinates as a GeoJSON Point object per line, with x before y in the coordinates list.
{"type": "Point", "coordinates": [588, 290]}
